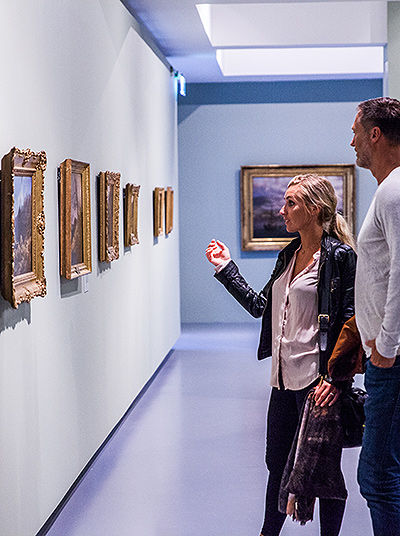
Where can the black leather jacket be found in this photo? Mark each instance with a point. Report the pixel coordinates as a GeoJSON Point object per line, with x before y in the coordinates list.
{"type": "Point", "coordinates": [340, 295]}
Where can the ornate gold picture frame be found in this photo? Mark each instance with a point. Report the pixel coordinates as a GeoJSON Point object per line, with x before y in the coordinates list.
{"type": "Point", "coordinates": [109, 216]}
{"type": "Point", "coordinates": [75, 228]}
{"type": "Point", "coordinates": [159, 194]}
{"type": "Point", "coordinates": [22, 225]}
{"type": "Point", "coordinates": [262, 191]}
{"type": "Point", "coordinates": [131, 202]}
{"type": "Point", "coordinates": [169, 210]}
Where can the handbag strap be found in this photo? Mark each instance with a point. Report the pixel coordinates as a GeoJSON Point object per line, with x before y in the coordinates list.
{"type": "Point", "coordinates": [323, 317]}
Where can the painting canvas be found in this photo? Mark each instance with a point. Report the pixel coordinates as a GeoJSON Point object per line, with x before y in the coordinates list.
{"type": "Point", "coordinates": [76, 219]}
{"type": "Point", "coordinates": [158, 211]}
{"type": "Point", "coordinates": [169, 210]}
{"type": "Point", "coordinates": [262, 196]}
{"type": "Point", "coordinates": [22, 225]}
{"type": "Point", "coordinates": [268, 198]}
{"type": "Point", "coordinates": [110, 212]}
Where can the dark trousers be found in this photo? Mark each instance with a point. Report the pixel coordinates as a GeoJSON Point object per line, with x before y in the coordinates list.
{"type": "Point", "coordinates": [379, 465]}
{"type": "Point", "coordinates": [283, 417]}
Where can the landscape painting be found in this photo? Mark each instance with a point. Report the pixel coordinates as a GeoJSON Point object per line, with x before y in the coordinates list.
{"type": "Point", "coordinates": [110, 214]}
{"type": "Point", "coordinates": [76, 219]}
{"type": "Point", "coordinates": [22, 225]}
{"type": "Point", "coordinates": [109, 186]}
{"type": "Point", "coordinates": [75, 226]}
{"type": "Point", "coordinates": [262, 196]}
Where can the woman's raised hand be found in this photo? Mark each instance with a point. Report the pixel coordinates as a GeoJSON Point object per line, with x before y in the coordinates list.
{"type": "Point", "coordinates": [217, 253]}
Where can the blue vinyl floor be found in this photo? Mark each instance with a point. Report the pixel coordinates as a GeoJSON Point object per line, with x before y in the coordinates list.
{"type": "Point", "coordinates": [189, 459]}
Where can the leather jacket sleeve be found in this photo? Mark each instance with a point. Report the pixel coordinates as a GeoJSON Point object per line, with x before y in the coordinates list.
{"type": "Point", "coordinates": [347, 259]}
{"type": "Point", "coordinates": [235, 283]}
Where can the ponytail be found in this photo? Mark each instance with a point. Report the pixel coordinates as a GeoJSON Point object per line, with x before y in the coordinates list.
{"type": "Point", "coordinates": [339, 228]}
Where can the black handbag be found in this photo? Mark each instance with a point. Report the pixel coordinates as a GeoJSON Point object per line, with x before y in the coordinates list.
{"type": "Point", "coordinates": [353, 416]}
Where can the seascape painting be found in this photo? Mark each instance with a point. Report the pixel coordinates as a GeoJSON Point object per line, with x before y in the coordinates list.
{"type": "Point", "coordinates": [22, 225]}
{"type": "Point", "coordinates": [268, 199]}
{"type": "Point", "coordinates": [76, 219]}
{"type": "Point", "coordinates": [110, 214]}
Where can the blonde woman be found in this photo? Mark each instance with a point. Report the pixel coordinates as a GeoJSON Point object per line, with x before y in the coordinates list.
{"type": "Point", "coordinates": [304, 304]}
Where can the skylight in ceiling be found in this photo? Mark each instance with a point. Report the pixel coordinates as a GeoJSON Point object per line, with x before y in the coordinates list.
{"type": "Point", "coordinates": [301, 61]}
{"type": "Point", "coordinates": [297, 38]}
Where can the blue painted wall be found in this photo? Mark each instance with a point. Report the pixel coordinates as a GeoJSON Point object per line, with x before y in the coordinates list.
{"type": "Point", "coordinates": [225, 126]}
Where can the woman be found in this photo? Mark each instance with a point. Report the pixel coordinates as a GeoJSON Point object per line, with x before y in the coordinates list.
{"type": "Point", "coordinates": [304, 304]}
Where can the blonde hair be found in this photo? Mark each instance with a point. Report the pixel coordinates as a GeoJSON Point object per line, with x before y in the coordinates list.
{"type": "Point", "coordinates": [318, 192]}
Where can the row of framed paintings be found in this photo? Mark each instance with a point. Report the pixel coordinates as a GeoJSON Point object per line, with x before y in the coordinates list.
{"type": "Point", "coordinates": [22, 221]}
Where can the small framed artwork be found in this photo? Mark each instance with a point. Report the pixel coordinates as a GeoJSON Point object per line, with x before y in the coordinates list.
{"type": "Point", "coordinates": [169, 210]}
{"type": "Point", "coordinates": [109, 216]}
{"type": "Point", "coordinates": [262, 191]}
{"type": "Point", "coordinates": [131, 201]}
{"type": "Point", "coordinates": [22, 225]}
{"type": "Point", "coordinates": [159, 195]}
{"type": "Point", "coordinates": [75, 228]}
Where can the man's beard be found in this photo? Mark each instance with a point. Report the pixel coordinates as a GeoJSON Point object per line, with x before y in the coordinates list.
{"type": "Point", "coordinates": [363, 161]}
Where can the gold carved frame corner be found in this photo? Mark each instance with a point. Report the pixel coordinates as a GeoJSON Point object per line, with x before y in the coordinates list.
{"type": "Point", "coordinates": [131, 202]}
{"type": "Point", "coordinates": [67, 269]}
{"type": "Point", "coordinates": [25, 286]}
{"type": "Point", "coordinates": [109, 209]}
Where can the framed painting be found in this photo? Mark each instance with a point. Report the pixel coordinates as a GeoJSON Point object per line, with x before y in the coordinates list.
{"type": "Point", "coordinates": [262, 191]}
{"type": "Point", "coordinates": [169, 210]}
{"type": "Point", "coordinates": [75, 228]}
{"type": "Point", "coordinates": [158, 212]}
{"type": "Point", "coordinates": [22, 225]}
{"type": "Point", "coordinates": [109, 216]}
{"type": "Point", "coordinates": [131, 201]}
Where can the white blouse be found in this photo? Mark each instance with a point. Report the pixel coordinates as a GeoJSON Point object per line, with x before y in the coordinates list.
{"type": "Point", "coordinates": [295, 349]}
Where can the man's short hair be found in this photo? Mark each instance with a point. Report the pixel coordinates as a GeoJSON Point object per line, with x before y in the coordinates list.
{"type": "Point", "coordinates": [384, 113]}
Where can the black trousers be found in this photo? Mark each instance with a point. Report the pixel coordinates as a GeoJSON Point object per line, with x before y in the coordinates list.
{"type": "Point", "coordinates": [283, 417]}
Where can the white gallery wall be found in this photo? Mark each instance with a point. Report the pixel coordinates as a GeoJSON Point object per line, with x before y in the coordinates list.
{"type": "Point", "coordinates": [79, 82]}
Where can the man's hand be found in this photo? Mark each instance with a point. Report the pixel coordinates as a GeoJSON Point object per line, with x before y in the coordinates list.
{"type": "Point", "coordinates": [377, 359]}
{"type": "Point", "coordinates": [326, 393]}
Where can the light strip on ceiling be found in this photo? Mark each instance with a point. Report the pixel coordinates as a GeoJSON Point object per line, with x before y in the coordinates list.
{"type": "Point", "coordinates": [301, 61]}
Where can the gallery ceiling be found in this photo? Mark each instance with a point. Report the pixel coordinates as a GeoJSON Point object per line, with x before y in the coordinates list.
{"type": "Point", "coordinates": [242, 40]}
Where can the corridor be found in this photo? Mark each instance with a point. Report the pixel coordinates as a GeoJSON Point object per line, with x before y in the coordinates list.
{"type": "Point", "coordinates": [189, 458]}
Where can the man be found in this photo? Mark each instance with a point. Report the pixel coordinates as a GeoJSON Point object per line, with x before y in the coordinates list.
{"type": "Point", "coordinates": [376, 141]}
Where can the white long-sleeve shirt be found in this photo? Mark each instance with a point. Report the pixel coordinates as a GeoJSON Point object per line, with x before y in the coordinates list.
{"type": "Point", "coordinates": [294, 323]}
{"type": "Point", "coordinates": [377, 286]}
